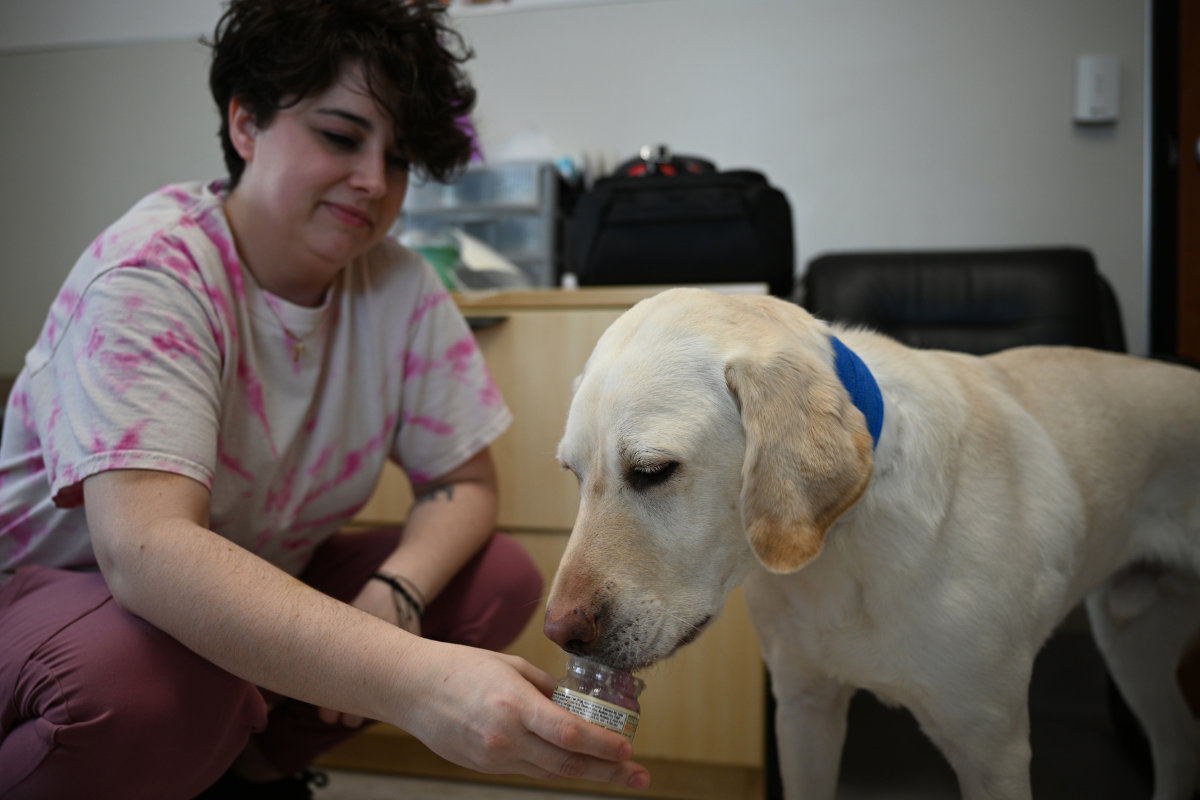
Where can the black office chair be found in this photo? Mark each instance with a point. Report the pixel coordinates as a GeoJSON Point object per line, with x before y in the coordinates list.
{"type": "Point", "coordinates": [973, 301]}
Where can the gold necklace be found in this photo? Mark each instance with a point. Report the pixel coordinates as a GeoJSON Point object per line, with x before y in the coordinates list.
{"type": "Point", "coordinates": [298, 348]}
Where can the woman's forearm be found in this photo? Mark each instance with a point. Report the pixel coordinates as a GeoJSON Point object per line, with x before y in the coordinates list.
{"type": "Point", "coordinates": [236, 610]}
{"type": "Point", "coordinates": [449, 521]}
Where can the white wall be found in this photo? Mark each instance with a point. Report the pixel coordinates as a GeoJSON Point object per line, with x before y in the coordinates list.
{"type": "Point", "coordinates": [889, 123]}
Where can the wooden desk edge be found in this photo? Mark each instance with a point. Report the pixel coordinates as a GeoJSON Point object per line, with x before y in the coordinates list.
{"type": "Point", "coordinates": [593, 297]}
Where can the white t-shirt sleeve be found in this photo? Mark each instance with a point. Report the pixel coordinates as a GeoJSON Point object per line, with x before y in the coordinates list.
{"type": "Point", "coordinates": [133, 382]}
{"type": "Point", "coordinates": [451, 409]}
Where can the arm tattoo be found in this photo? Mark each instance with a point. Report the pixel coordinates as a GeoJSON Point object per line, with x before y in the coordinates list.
{"type": "Point", "coordinates": [433, 493]}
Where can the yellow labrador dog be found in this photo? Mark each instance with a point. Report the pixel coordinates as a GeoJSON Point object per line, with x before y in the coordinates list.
{"type": "Point", "coordinates": [724, 440]}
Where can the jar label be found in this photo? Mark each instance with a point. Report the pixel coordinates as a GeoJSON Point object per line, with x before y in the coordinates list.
{"type": "Point", "coordinates": [598, 712]}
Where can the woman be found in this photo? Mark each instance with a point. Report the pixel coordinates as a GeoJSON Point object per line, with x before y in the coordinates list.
{"type": "Point", "coordinates": [212, 397]}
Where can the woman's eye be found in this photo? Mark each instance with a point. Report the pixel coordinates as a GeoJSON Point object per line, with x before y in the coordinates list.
{"type": "Point", "coordinates": [399, 163]}
{"type": "Point", "coordinates": [339, 141]}
{"type": "Point", "coordinates": [643, 476]}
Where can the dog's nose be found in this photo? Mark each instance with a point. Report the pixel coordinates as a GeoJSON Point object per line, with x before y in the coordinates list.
{"type": "Point", "coordinates": [574, 631]}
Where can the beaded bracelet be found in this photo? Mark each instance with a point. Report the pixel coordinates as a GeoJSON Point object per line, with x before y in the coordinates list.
{"type": "Point", "coordinates": [399, 591]}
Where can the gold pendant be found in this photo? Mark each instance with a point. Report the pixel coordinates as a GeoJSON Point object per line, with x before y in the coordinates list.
{"type": "Point", "coordinates": [297, 351]}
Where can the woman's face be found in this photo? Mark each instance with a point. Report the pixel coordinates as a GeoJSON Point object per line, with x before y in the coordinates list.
{"type": "Point", "coordinates": [323, 183]}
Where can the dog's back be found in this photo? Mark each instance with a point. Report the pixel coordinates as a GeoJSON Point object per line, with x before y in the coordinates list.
{"type": "Point", "coordinates": [1129, 432]}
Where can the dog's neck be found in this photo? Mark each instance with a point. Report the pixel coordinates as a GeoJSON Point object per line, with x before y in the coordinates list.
{"type": "Point", "coordinates": [860, 383]}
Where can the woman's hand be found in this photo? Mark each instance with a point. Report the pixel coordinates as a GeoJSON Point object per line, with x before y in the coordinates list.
{"type": "Point", "coordinates": [492, 713]}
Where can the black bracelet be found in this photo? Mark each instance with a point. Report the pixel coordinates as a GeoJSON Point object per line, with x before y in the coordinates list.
{"type": "Point", "coordinates": [400, 590]}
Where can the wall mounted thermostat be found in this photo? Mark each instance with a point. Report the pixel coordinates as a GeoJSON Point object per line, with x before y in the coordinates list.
{"type": "Point", "coordinates": [1097, 89]}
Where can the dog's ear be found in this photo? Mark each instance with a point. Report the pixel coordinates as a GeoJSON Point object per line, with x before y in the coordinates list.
{"type": "Point", "coordinates": [808, 453]}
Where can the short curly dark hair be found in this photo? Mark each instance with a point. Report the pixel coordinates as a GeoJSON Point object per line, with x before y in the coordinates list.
{"type": "Point", "coordinates": [273, 53]}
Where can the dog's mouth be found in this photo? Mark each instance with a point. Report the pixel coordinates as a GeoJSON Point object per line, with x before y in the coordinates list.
{"type": "Point", "coordinates": [632, 659]}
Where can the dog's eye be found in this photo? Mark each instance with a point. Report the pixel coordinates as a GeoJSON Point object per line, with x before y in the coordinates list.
{"type": "Point", "coordinates": [644, 476]}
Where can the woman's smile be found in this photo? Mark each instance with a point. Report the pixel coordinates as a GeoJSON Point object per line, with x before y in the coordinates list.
{"type": "Point", "coordinates": [349, 215]}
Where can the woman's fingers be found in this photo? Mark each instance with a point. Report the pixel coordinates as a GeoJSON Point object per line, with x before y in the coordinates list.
{"type": "Point", "coordinates": [560, 727]}
{"type": "Point", "coordinates": [548, 759]}
{"type": "Point", "coordinates": [544, 682]}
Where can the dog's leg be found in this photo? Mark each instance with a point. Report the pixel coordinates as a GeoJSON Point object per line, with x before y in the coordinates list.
{"type": "Point", "coordinates": [810, 724]}
{"type": "Point", "coordinates": [985, 737]}
{"type": "Point", "coordinates": [1143, 619]}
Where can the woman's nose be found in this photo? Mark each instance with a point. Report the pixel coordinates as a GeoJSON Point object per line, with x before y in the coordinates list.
{"type": "Point", "coordinates": [371, 175]}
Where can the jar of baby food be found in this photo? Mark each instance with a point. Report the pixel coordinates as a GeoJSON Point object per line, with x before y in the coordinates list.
{"type": "Point", "coordinates": [602, 695]}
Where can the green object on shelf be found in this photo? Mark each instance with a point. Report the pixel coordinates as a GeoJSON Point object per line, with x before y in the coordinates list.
{"type": "Point", "coordinates": [440, 249]}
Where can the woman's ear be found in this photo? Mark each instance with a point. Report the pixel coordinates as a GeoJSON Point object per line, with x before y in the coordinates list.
{"type": "Point", "coordinates": [243, 130]}
{"type": "Point", "coordinates": [808, 453]}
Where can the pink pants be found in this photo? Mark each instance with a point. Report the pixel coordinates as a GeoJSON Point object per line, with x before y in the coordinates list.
{"type": "Point", "coordinates": [98, 703]}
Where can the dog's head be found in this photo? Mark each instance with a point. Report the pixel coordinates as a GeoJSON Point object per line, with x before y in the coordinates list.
{"type": "Point", "coordinates": [706, 431]}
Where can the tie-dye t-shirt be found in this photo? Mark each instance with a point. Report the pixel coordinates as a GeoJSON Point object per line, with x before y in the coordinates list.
{"type": "Point", "coordinates": [162, 353]}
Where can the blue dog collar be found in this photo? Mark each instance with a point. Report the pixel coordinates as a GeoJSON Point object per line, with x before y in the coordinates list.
{"type": "Point", "coordinates": [860, 383]}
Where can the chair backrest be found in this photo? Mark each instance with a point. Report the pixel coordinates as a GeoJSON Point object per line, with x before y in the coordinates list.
{"type": "Point", "coordinates": [973, 301]}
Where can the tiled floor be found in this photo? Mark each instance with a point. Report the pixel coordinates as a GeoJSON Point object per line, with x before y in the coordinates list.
{"type": "Point", "coordinates": [1075, 747]}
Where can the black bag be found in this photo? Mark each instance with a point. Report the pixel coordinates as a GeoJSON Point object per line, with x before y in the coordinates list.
{"type": "Point", "coordinates": [676, 220]}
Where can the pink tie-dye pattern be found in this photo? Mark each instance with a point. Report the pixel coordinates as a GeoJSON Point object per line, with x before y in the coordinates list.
{"type": "Point", "coordinates": [55, 413]}
{"type": "Point", "coordinates": [489, 395]}
{"type": "Point", "coordinates": [261, 540]}
{"type": "Point", "coordinates": [131, 439]}
{"type": "Point", "coordinates": [180, 195]}
{"type": "Point", "coordinates": [233, 465]}
{"type": "Point", "coordinates": [67, 301]}
{"type": "Point", "coordinates": [179, 260]}
{"type": "Point", "coordinates": [20, 402]}
{"type": "Point", "coordinates": [423, 308]}
{"type": "Point", "coordinates": [323, 458]}
{"type": "Point", "coordinates": [227, 250]}
{"type": "Point", "coordinates": [124, 368]}
{"type": "Point", "coordinates": [279, 498]}
{"type": "Point", "coordinates": [95, 341]}
{"type": "Point", "coordinates": [293, 545]}
{"type": "Point", "coordinates": [415, 366]}
{"type": "Point", "coordinates": [23, 529]}
{"type": "Point", "coordinates": [458, 355]}
{"type": "Point", "coordinates": [177, 342]}
{"type": "Point", "coordinates": [254, 396]}
{"type": "Point", "coordinates": [435, 426]}
{"type": "Point", "coordinates": [352, 463]}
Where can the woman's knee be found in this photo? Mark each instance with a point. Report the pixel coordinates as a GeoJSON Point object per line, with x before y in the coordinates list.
{"type": "Point", "coordinates": [157, 684]}
{"type": "Point", "coordinates": [491, 600]}
{"type": "Point", "coordinates": [119, 697]}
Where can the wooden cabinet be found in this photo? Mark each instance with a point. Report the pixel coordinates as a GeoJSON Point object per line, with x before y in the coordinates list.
{"type": "Point", "coordinates": [702, 728]}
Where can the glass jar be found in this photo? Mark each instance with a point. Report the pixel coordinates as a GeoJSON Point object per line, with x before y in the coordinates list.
{"type": "Point", "coordinates": [602, 695]}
